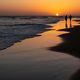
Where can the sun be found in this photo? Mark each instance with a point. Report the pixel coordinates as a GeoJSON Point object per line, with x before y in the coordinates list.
{"type": "Point", "coordinates": [57, 14]}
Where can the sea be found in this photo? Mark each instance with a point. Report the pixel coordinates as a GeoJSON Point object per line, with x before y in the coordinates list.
{"type": "Point", "coordinates": [16, 28]}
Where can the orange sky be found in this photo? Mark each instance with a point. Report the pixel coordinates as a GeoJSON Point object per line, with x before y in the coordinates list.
{"type": "Point", "coordinates": [39, 7]}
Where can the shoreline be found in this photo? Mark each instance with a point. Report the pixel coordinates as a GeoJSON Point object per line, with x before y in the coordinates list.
{"type": "Point", "coordinates": [30, 59]}
{"type": "Point", "coordinates": [13, 31]}
{"type": "Point", "coordinates": [71, 42]}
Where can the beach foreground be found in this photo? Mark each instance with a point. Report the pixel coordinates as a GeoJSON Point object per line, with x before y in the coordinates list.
{"type": "Point", "coordinates": [31, 59]}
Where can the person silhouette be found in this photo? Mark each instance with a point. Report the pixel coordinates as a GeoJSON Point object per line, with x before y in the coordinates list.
{"type": "Point", "coordinates": [66, 21]}
{"type": "Point", "coordinates": [70, 17]}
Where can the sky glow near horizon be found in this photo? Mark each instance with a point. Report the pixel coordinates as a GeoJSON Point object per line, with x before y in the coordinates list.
{"type": "Point", "coordinates": [39, 7]}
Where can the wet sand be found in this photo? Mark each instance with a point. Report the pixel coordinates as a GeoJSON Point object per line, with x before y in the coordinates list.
{"type": "Point", "coordinates": [70, 45]}
{"type": "Point", "coordinates": [31, 59]}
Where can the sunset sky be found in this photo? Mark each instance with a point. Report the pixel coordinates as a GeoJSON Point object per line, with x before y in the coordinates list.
{"type": "Point", "coordinates": [39, 7]}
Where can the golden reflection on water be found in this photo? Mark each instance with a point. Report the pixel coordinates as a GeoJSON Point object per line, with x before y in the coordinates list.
{"type": "Point", "coordinates": [62, 24]}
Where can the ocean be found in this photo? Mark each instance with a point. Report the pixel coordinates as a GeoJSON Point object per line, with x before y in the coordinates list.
{"type": "Point", "coordinates": [16, 28]}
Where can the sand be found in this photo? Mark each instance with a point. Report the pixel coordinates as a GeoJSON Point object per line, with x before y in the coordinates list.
{"type": "Point", "coordinates": [31, 58]}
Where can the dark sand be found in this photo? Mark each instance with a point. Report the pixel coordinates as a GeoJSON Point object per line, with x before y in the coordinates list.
{"type": "Point", "coordinates": [71, 44]}
{"type": "Point", "coordinates": [76, 76]}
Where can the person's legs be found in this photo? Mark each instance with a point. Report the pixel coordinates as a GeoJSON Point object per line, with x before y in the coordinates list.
{"type": "Point", "coordinates": [70, 23]}
{"type": "Point", "coordinates": [66, 24]}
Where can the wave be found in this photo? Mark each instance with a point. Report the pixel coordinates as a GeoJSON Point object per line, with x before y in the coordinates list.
{"type": "Point", "coordinates": [10, 35]}
{"type": "Point", "coordinates": [11, 21]}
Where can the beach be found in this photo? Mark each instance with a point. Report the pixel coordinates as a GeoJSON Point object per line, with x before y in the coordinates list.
{"type": "Point", "coordinates": [26, 51]}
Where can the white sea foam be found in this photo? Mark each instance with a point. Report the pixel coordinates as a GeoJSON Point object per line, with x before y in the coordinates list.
{"type": "Point", "coordinates": [27, 20]}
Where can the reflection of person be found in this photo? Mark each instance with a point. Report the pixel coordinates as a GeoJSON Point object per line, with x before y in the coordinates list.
{"type": "Point", "coordinates": [66, 21]}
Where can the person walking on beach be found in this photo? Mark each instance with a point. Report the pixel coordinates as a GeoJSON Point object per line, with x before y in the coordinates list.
{"type": "Point", "coordinates": [70, 17]}
{"type": "Point", "coordinates": [66, 21]}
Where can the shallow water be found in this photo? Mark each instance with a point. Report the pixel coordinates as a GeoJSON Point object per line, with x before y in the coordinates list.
{"type": "Point", "coordinates": [31, 59]}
